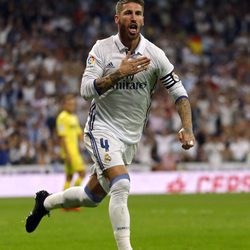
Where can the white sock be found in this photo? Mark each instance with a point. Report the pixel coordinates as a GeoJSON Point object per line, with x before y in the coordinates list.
{"type": "Point", "coordinates": [71, 197]}
{"type": "Point", "coordinates": [119, 214]}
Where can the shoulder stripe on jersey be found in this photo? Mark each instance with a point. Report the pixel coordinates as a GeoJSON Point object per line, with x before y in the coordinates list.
{"type": "Point", "coordinates": [95, 150]}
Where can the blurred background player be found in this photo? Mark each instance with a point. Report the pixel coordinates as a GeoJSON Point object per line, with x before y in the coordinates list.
{"type": "Point", "coordinates": [70, 135]}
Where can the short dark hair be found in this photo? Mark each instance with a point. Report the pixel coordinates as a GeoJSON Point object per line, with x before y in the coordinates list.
{"type": "Point", "coordinates": [67, 96]}
{"type": "Point", "coordinates": [121, 2]}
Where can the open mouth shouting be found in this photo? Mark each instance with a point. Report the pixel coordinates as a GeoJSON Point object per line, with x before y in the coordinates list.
{"type": "Point", "coordinates": [133, 28]}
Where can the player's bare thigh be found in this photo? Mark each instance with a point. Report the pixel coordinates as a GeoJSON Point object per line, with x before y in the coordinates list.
{"type": "Point", "coordinates": [115, 171]}
{"type": "Point", "coordinates": [110, 173]}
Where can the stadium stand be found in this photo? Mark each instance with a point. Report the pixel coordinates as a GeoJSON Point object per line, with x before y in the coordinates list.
{"type": "Point", "coordinates": [43, 47]}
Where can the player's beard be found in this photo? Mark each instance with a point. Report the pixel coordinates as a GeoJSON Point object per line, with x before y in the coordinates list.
{"type": "Point", "coordinates": [126, 35]}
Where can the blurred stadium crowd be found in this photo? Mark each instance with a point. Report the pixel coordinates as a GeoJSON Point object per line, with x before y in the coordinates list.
{"type": "Point", "coordinates": [43, 48]}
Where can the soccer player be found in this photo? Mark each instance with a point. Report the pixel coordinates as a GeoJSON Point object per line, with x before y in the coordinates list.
{"type": "Point", "coordinates": [70, 134]}
{"type": "Point", "coordinates": [120, 76]}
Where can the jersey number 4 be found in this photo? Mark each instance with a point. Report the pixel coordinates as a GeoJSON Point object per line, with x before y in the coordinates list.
{"type": "Point", "coordinates": [104, 144]}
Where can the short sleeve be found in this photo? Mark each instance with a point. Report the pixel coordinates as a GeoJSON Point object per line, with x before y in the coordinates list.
{"type": "Point", "coordinates": [94, 70]}
{"type": "Point", "coordinates": [164, 65]}
{"type": "Point", "coordinates": [94, 63]}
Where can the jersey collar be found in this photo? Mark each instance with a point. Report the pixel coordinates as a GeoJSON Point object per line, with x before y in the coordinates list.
{"type": "Point", "coordinates": [139, 49]}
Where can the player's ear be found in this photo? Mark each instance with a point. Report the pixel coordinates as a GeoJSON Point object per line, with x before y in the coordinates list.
{"type": "Point", "coordinates": [116, 19]}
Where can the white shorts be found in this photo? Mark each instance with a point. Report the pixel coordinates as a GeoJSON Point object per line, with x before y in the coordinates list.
{"type": "Point", "coordinates": [107, 151]}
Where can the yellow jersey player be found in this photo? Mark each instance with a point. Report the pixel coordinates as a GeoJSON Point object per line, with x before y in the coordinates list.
{"type": "Point", "coordinates": [70, 134]}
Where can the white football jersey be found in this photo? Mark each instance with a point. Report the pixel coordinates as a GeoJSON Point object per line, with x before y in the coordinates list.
{"type": "Point", "coordinates": [123, 109]}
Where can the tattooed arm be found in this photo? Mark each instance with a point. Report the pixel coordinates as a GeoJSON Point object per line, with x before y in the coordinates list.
{"type": "Point", "coordinates": [105, 83]}
{"type": "Point", "coordinates": [94, 84]}
{"type": "Point", "coordinates": [127, 67]}
{"type": "Point", "coordinates": [186, 135]}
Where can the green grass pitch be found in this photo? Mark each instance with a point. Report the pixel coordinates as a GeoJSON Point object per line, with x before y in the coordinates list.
{"type": "Point", "coordinates": [159, 222]}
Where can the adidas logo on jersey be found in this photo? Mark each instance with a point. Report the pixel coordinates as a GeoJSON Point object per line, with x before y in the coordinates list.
{"type": "Point", "coordinates": [110, 65]}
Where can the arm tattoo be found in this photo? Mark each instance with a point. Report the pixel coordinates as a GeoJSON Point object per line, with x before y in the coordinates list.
{"type": "Point", "coordinates": [105, 83]}
{"type": "Point", "coordinates": [185, 113]}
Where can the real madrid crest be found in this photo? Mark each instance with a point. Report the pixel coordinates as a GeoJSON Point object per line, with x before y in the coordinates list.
{"type": "Point", "coordinates": [107, 158]}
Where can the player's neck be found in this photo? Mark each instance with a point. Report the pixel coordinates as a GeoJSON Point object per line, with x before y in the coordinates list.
{"type": "Point", "coordinates": [131, 44]}
{"type": "Point", "coordinates": [68, 111]}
